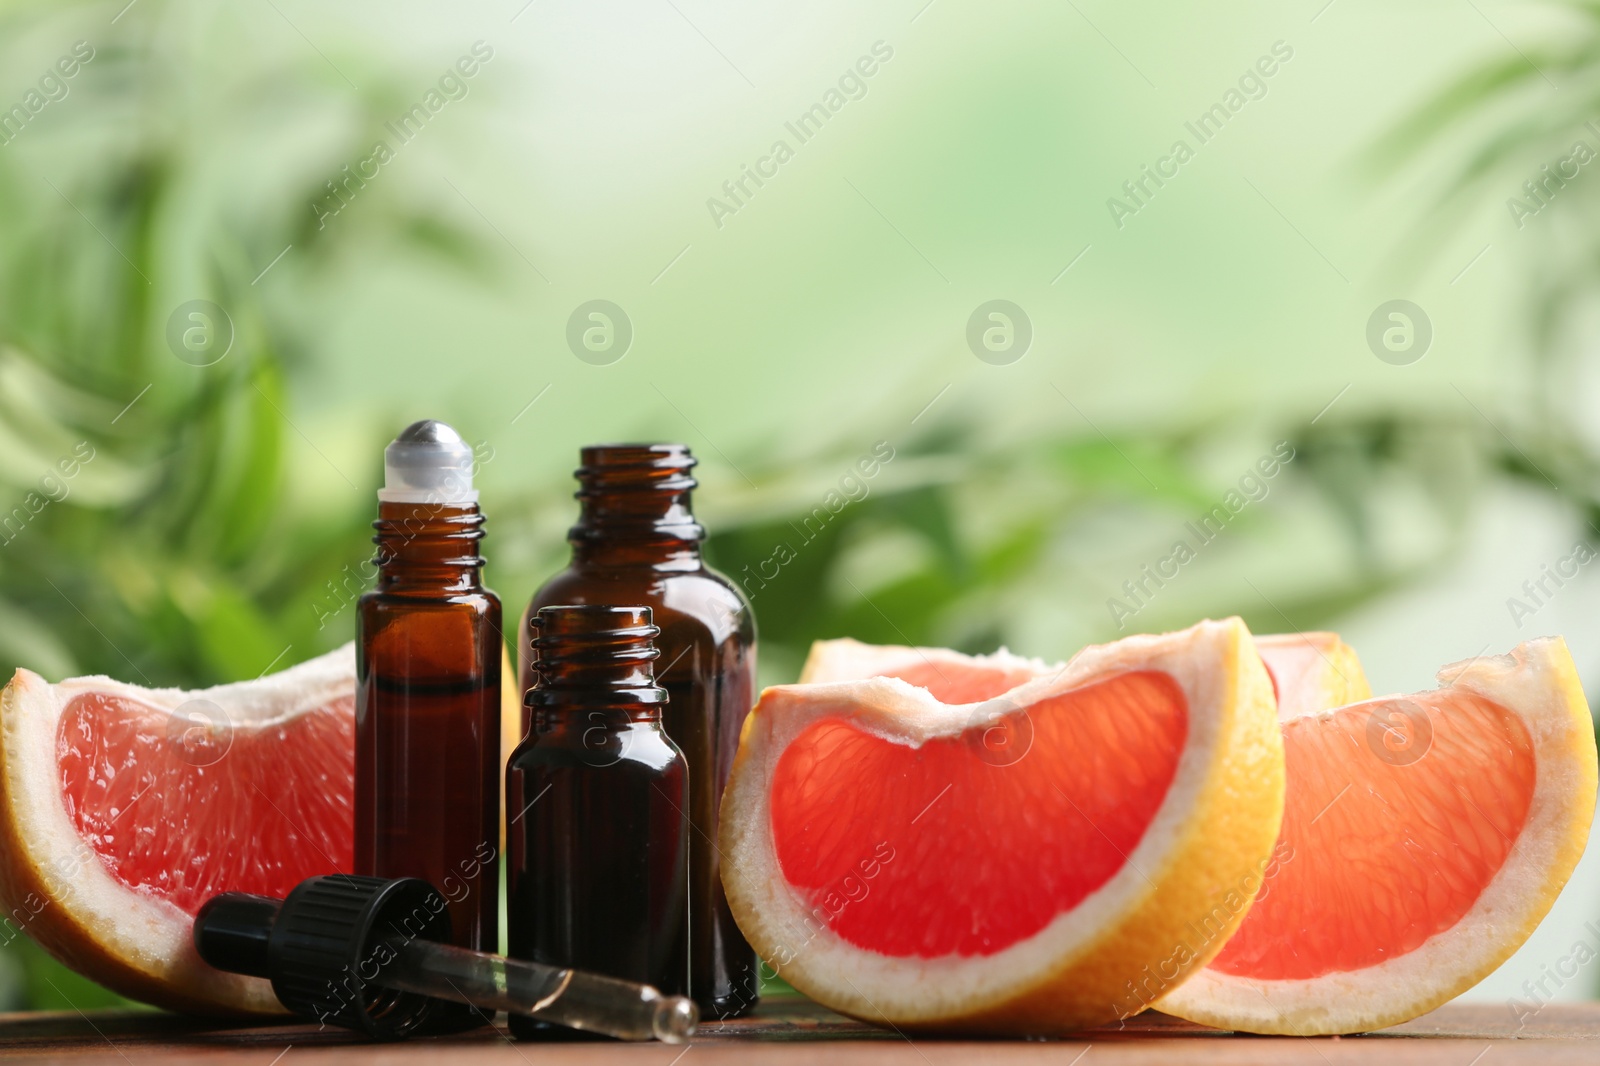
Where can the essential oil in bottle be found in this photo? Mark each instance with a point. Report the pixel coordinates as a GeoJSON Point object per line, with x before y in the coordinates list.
{"type": "Point", "coordinates": [428, 690]}
{"type": "Point", "coordinates": [637, 541]}
{"type": "Point", "coordinates": [596, 807]}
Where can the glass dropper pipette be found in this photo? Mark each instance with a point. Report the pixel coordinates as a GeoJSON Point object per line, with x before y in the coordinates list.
{"type": "Point", "coordinates": [370, 954]}
{"type": "Point", "coordinates": [572, 998]}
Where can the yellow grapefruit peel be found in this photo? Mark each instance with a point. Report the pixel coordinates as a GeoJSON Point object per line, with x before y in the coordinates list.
{"type": "Point", "coordinates": [1169, 909]}
{"type": "Point", "coordinates": [1539, 683]}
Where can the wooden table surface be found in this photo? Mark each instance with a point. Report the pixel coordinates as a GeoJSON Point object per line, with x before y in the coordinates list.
{"type": "Point", "coordinates": [788, 1030]}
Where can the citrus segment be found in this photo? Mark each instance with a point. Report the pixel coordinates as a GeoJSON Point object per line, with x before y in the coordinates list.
{"type": "Point", "coordinates": [123, 808]}
{"type": "Point", "coordinates": [1386, 853]}
{"type": "Point", "coordinates": [1424, 837]}
{"type": "Point", "coordinates": [1101, 761]}
{"type": "Point", "coordinates": [155, 807]}
{"type": "Point", "coordinates": [891, 860]}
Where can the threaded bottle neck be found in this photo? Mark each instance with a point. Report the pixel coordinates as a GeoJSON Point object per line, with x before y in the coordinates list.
{"type": "Point", "coordinates": [596, 656]}
{"type": "Point", "coordinates": [428, 546]}
{"type": "Point", "coordinates": [636, 507]}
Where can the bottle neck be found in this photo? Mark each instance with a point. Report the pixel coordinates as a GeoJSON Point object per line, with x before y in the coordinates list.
{"type": "Point", "coordinates": [582, 718]}
{"type": "Point", "coordinates": [428, 548]}
{"type": "Point", "coordinates": [635, 509]}
{"type": "Point", "coordinates": [598, 661]}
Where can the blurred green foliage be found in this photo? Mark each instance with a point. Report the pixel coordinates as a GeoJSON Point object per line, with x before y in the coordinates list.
{"type": "Point", "coordinates": [174, 553]}
{"type": "Point", "coordinates": [1503, 126]}
{"type": "Point", "coordinates": [147, 531]}
{"type": "Point", "coordinates": [183, 552]}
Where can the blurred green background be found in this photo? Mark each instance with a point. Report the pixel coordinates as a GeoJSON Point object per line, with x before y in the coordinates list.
{"type": "Point", "coordinates": [219, 523]}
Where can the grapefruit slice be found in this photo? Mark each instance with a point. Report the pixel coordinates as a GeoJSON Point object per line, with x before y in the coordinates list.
{"type": "Point", "coordinates": [122, 809]}
{"type": "Point", "coordinates": [1312, 671]}
{"type": "Point", "coordinates": [1308, 671]}
{"type": "Point", "coordinates": [1025, 855]}
{"type": "Point", "coordinates": [1424, 837]}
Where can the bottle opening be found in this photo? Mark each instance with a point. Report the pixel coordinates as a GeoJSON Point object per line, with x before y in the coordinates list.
{"type": "Point", "coordinates": [595, 652]}
{"type": "Point", "coordinates": [595, 633]}
{"type": "Point", "coordinates": [646, 467]}
{"type": "Point", "coordinates": [635, 493]}
{"type": "Point", "coordinates": [428, 463]}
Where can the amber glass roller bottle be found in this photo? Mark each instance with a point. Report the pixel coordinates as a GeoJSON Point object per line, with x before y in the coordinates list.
{"type": "Point", "coordinates": [428, 690]}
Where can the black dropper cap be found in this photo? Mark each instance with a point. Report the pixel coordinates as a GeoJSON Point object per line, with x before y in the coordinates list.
{"type": "Point", "coordinates": [323, 947]}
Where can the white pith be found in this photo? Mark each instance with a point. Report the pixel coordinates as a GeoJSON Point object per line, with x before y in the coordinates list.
{"type": "Point", "coordinates": [1538, 682]}
{"type": "Point", "coordinates": [910, 990]}
{"type": "Point", "coordinates": [144, 931]}
{"type": "Point", "coordinates": [850, 660]}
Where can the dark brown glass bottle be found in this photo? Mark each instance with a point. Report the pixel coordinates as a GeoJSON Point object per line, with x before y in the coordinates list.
{"type": "Point", "coordinates": [597, 799]}
{"type": "Point", "coordinates": [428, 689]}
{"type": "Point", "coordinates": [636, 542]}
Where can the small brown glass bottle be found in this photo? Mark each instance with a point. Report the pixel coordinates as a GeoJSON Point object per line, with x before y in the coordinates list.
{"type": "Point", "coordinates": [637, 542]}
{"type": "Point", "coordinates": [596, 801]}
{"type": "Point", "coordinates": [428, 689]}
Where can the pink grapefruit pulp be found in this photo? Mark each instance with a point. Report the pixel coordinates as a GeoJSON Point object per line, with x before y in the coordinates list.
{"type": "Point", "coordinates": [1424, 838]}
{"type": "Point", "coordinates": [122, 809]}
{"type": "Point", "coordinates": [1018, 862]}
{"type": "Point", "coordinates": [1101, 761]}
